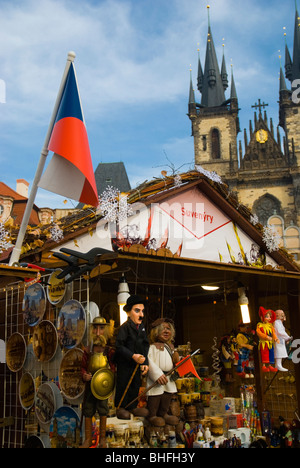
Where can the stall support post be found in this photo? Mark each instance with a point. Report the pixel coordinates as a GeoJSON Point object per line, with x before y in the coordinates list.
{"type": "Point", "coordinates": [293, 292]}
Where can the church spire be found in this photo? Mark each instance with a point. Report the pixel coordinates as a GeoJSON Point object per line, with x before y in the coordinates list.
{"type": "Point", "coordinates": [224, 74]}
{"type": "Point", "coordinates": [292, 66]}
{"type": "Point", "coordinates": [233, 93]}
{"type": "Point", "coordinates": [212, 84]}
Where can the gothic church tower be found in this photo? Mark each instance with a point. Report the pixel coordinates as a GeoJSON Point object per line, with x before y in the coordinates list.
{"type": "Point", "coordinates": [215, 122]}
{"type": "Point", "coordinates": [265, 175]}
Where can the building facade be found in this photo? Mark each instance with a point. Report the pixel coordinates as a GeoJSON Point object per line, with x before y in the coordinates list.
{"type": "Point", "coordinates": [265, 174]}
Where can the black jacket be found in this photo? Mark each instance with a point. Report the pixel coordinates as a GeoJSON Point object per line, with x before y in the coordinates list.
{"type": "Point", "coordinates": [130, 340]}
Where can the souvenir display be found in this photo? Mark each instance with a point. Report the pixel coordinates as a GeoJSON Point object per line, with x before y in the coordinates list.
{"type": "Point", "coordinates": [244, 346]}
{"type": "Point", "coordinates": [131, 358]}
{"type": "Point", "coordinates": [51, 368]}
{"type": "Point", "coordinates": [56, 288]}
{"type": "Point", "coordinates": [44, 341]}
{"type": "Point", "coordinates": [97, 370]}
{"type": "Point", "coordinates": [48, 399]}
{"type": "Point", "coordinates": [70, 378]}
{"type": "Point", "coordinates": [267, 338]}
{"type": "Point", "coordinates": [64, 431]}
{"type": "Point", "coordinates": [162, 358]}
{"type": "Point", "coordinates": [27, 391]}
{"type": "Point", "coordinates": [283, 337]}
{"type": "Point", "coordinates": [31, 363]}
{"type": "Point", "coordinates": [34, 304]}
{"type": "Point", "coordinates": [15, 352]}
{"type": "Point", "coordinates": [227, 357]}
{"type": "Point", "coordinates": [71, 324]}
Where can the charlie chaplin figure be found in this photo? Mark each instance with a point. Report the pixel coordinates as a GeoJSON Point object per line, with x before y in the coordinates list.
{"type": "Point", "coordinates": [132, 348]}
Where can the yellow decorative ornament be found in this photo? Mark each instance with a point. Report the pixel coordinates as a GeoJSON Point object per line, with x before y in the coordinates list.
{"type": "Point", "coordinates": [262, 136]}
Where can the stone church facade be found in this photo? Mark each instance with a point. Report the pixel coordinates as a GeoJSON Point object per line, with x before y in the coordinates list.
{"type": "Point", "coordinates": [265, 175]}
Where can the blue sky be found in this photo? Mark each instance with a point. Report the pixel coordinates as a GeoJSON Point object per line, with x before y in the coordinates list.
{"type": "Point", "coordinates": [132, 61]}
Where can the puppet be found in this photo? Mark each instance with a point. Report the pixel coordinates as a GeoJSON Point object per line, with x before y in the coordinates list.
{"type": "Point", "coordinates": [132, 347]}
{"type": "Point", "coordinates": [267, 337]}
{"type": "Point", "coordinates": [99, 355]}
{"type": "Point", "coordinates": [162, 358]}
{"type": "Point", "coordinates": [244, 347]}
{"type": "Point", "coordinates": [280, 348]}
{"type": "Point", "coordinates": [227, 357]}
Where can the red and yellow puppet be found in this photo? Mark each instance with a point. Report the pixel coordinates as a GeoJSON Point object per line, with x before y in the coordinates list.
{"type": "Point", "coordinates": [267, 337]}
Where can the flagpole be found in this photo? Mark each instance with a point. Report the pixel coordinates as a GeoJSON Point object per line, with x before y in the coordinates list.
{"type": "Point", "coordinates": [44, 153]}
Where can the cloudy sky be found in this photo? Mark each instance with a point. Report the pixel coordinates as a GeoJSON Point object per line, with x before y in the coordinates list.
{"type": "Point", "coordinates": [133, 60]}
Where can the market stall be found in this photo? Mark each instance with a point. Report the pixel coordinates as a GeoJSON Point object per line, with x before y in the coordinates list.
{"type": "Point", "coordinates": [177, 240]}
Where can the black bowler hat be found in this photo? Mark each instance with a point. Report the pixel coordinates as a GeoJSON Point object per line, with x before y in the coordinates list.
{"type": "Point", "coordinates": [131, 301]}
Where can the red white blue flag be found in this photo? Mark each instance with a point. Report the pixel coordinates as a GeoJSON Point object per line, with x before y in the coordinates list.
{"type": "Point", "coordinates": [70, 171]}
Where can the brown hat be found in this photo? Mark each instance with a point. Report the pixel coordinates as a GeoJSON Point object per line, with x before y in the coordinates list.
{"type": "Point", "coordinates": [159, 321]}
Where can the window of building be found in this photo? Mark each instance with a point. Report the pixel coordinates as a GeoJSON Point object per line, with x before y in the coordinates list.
{"type": "Point", "coordinates": [266, 207]}
{"type": "Point", "coordinates": [215, 144]}
{"type": "Point", "coordinates": [292, 239]}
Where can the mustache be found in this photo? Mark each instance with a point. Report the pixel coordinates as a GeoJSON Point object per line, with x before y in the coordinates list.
{"type": "Point", "coordinates": [99, 340]}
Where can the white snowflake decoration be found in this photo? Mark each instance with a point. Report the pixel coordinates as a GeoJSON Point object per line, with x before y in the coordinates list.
{"type": "Point", "coordinates": [271, 238]}
{"type": "Point", "coordinates": [209, 174]}
{"type": "Point", "coordinates": [254, 219]}
{"type": "Point", "coordinates": [125, 210]}
{"type": "Point", "coordinates": [57, 234]}
{"type": "Point", "coordinates": [114, 205]}
{"type": "Point", "coordinates": [4, 243]}
{"type": "Point", "coordinates": [177, 180]}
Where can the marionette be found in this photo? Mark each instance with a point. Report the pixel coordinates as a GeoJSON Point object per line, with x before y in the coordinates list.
{"type": "Point", "coordinates": [98, 356]}
{"type": "Point", "coordinates": [244, 348]}
{"type": "Point", "coordinates": [267, 337]}
{"type": "Point", "coordinates": [131, 359]}
{"type": "Point", "coordinates": [280, 348]}
{"type": "Point", "coordinates": [162, 358]}
{"type": "Point", "coordinates": [227, 357]}
{"type": "Point", "coordinates": [281, 432]}
{"type": "Point", "coordinates": [296, 433]}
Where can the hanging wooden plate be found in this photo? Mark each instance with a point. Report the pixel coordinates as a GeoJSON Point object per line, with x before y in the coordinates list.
{"type": "Point", "coordinates": [34, 304]}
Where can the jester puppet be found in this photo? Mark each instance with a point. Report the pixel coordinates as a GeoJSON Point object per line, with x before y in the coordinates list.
{"type": "Point", "coordinates": [97, 358]}
{"type": "Point", "coordinates": [267, 338]}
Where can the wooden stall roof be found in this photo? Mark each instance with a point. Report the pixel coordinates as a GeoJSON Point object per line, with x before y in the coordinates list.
{"type": "Point", "coordinates": [38, 243]}
{"type": "Point", "coordinates": [18, 271]}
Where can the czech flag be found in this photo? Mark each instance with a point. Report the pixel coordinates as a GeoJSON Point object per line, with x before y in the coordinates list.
{"type": "Point", "coordinates": [70, 171]}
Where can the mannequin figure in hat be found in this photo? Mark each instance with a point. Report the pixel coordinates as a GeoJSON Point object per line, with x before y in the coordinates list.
{"type": "Point", "coordinates": [162, 358]}
{"type": "Point", "coordinates": [97, 356]}
{"type": "Point", "coordinates": [132, 347]}
{"type": "Point", "coordinates": [267, 337]}
{"type": "Point", "coordinates": [280, 348]}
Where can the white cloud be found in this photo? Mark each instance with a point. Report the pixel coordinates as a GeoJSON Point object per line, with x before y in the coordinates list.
{"type": "Point", "coordinates": [129, 54]}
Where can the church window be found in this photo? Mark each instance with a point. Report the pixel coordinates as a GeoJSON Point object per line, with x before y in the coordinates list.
{"type": "Point", "coordinates": [215, 144]}
{"type": "Point", "coordinates": [266, 207]}
{"type": "Point", "coordinates": [292, 239]}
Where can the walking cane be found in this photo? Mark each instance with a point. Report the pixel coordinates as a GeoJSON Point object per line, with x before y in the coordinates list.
{"type": "Point", "coordinates": [128, 385]}
{"type": "Point", "coordinates": [168, 373]}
